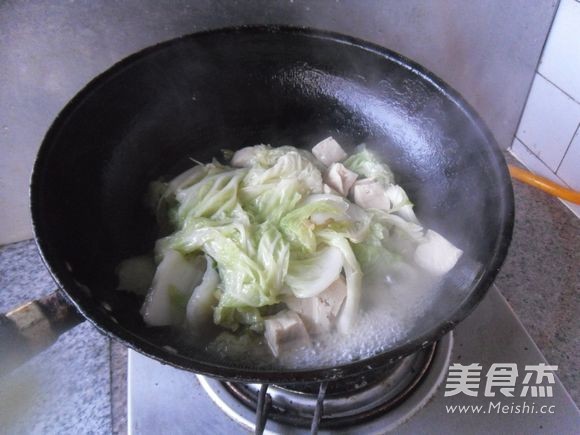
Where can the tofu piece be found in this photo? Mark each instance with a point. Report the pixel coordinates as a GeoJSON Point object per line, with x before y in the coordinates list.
{"type": "Point", "coordinates": [319, 313]}
{"type": "Point", "coordinates": [329, 190]}
{"type": "Point", "coordinates": [284, 332]}
{"type": "Point", "coordinates": [340, 178]}
{"type": "Point", "coordinates": [369, 193]}
{"type": "Point", "coordinates": [334, 296]}
{"type": "Point", "coordinates": [243, 157]}
{"type": "Point", "coordinates": [328, 151]}
{"type": "Point", "coordinates": [437, 254]}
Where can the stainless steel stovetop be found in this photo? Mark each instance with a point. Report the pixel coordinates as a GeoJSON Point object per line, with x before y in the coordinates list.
{"type": "Point", "coordinates": [162, 399]}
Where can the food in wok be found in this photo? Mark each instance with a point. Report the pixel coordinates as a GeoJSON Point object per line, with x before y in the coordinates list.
{"type": "Point", "coordinates": [287, 250]}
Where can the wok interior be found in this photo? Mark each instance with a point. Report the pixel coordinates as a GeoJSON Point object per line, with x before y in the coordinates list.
{"type": "Point", "coordinates": [149, 115]}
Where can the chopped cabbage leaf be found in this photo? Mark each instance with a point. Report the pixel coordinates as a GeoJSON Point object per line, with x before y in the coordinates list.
{"type": "Point", "coordinates": [266, 156]}
{"type": "Point", "coordinates": [400, 203]}
{"type": "Point", "coordinates": [291, 165]}
{"type": "Point", "coordinates": [173, 283]}
{"type": "Point", "coordinates": [353, 274]}
{"type": "Point", "coordinates": [310, 276]}
{"type": "Point", "coordinates": [246, 236]}
{"type": "Point", "coordinates": [241, 258]}
{"type": "Point", "coordinates": [199, 308]}
{"type": "Point", "coordinates": [298, 227]}
{"type": "Point", "coordinates": [270, 202]}
{"type": "Point", "coordinates": [366, 164]}
{"type": "Point", "coordinates": [372, 254]}
{"type": "Point", "coordinates": [214, 196]}
{"type": "Point", "coordinates": [323, 211]}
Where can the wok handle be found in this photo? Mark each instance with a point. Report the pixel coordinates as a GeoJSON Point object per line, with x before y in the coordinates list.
{"type": "Point", "coordinates": [31, 328]}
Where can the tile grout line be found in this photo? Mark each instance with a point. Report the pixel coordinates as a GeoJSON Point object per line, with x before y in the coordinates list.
{"type": "Point", "coordinates": [567, 148]}
{"type": "Point", "coordinates": [521, 160]}
{"type": "Point", "coordinates": [557, 87]}
{"type": "Point", "coordinates": [559, 2]}
{"type": "Point", "coordinates": [537, 67]}
{"type": "Point", "coordinates": [539, 159]}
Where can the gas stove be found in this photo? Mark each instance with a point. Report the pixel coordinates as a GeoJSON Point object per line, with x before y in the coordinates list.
{"type": "Point", "coordinates": [413, 395]}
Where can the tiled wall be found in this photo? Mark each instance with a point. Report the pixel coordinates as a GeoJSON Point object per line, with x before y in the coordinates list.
{"type": "Point", "coordinates": [548, 137]}
{"type": "Point", "coordinates": [487, 50]}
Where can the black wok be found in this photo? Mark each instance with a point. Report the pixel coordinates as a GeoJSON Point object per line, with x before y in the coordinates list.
{"type": "Point", "coordinates": [191, 97]}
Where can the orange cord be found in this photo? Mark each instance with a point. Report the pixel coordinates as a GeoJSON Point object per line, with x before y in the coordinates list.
{"type": "Point", "coordinates": [544, 184]}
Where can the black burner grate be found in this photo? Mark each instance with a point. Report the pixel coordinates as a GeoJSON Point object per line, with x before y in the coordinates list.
{"type": "Point", "coordinates": [336, 403]}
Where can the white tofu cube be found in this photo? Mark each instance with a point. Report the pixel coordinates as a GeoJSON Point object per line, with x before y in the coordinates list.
{"type": "Point", "coordinates": [329, 151]}
{"type": "Point", "coordinates": [284, 332]}
{"type": "Point", "coordinates": [334, 296]}
{"type": "Point", "coordinates": [340, 178]}
{"type": "Point", "coordinates": [436, 254]}
{"type": "Point", "coordinates": [369, 193]}
{"type": "Point", "coordinates": [319, 312]}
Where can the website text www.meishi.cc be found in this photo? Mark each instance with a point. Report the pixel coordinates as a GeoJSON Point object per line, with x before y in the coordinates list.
{"type": "Point", "coordinates": [502, 408]}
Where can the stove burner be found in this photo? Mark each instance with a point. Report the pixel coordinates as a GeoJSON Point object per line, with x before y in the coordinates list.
{"type": "Point", "coordinates": [348, 401]}
{"type": "Point", "coordinates": [379, 399]}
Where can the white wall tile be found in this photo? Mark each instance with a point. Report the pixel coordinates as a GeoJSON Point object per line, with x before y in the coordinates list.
{"type": "Point", "coordinates": [560, 61]}
{"type": "Point", "coordinates": [549, 128]}
{"type": "Point", "coordinates": [535, 165]}
{"type": "Point", "coordinates": [569, 170]}
{"type": "Point", "coordinates": [549, 121]}
{"type": "Point", "coordinates": [530, 161]}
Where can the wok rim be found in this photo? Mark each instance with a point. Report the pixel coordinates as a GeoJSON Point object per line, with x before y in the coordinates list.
{"type": "Point", "coordinates": [106, 326]}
